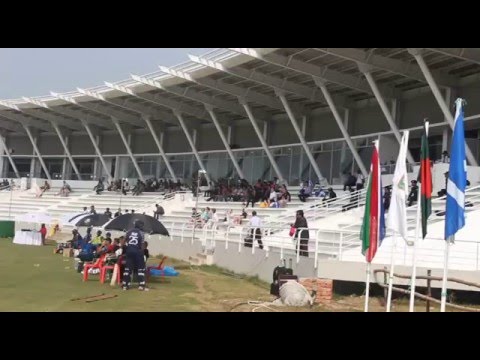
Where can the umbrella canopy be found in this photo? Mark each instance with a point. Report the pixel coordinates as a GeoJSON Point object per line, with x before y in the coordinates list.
{"type": "Point", "coordinates": [77, 216]}
{"type": "Point", "coordinates": [93, 220]}
{"type": "Point", "coordinates": [126, 222]}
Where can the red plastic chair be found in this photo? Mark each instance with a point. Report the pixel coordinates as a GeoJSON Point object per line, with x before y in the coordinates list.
{"type": "Point", "coordinates": [158, 267]}
{"type": "Point", "coordinates": [103, 273]}
{"type": "Point", "coordinates": [96, 265]}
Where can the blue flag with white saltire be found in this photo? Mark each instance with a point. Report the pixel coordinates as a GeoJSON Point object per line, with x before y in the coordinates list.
{"type": "Point", "coordinates": [457, 178]}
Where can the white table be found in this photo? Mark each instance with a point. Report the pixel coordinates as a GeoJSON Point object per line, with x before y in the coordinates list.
{"type": "Point", "coordinates": [28, 238]}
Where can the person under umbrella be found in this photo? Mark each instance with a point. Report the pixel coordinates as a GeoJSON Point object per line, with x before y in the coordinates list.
{"type": "Point", "coordinates": [134, 255]}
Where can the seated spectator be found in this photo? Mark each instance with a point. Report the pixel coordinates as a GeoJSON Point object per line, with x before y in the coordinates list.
{"type": "Point", "coordinates": [92, 210]}
{"type": "Point", "coordinates": [305, 191]}
{"type": "Point", "coordinates": [195, 218]}
{"type": "Point", "coordinates": [330, 195]}
{"type": "Point", "coordinates": [158, 211]}
{"type": "Point", "coordinates": [87, 253]}
{"type": "Point", "coordinates": [43, 188]}
{"type": "Point", "coordinates": [118, 213]}
{"type": "Point", "coordinates": [274, 204]}
{"type": "Point", "coordinates": [65, 189]}
{"type": "Point", "coordinates": [97, 240]}
{"type": "Point", "coordinates": [99, 187]}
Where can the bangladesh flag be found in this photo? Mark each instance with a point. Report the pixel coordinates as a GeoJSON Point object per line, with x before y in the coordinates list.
{"type": "Point", "coordinates": [425, 178]}
{"type": "Point", "coordinates": [373, 226]}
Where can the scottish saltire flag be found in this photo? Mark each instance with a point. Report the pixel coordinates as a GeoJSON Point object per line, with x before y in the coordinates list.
{"type": "Point", "coordinates": [373, 226]}
{"type": "Point", "coordinates": [457, 178]}
{"type": "Point", "coordinates": [397, 215]}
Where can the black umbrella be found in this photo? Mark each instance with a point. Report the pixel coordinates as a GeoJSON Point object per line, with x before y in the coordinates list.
{"type": "Point", "coordinates": [126, 222]}
{"type": "Point", "coordinates": [93, 220]}
{"type": "Point", "coordinates": [76, 216]}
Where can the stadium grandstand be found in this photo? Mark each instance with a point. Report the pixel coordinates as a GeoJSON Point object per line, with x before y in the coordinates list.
{"type": "Point", "coordinates": [295, 114]}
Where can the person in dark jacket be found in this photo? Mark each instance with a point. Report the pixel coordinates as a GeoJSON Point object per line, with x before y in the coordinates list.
{"type": "Point", "coordinates": [134, 256]}
{"type": "Point", "coordinates": [301, 222]}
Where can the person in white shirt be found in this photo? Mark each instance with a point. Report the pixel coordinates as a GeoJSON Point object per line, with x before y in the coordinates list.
{"type": "Point", "coordinates": [213, 221]}
{"type": "Point", "coordinates": [360, 180]}
{"type": "Point", "coordinates": [255, 225]}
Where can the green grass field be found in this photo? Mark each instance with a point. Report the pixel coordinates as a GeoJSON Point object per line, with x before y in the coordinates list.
{"type": "Point", "coordinates": [35, 279]}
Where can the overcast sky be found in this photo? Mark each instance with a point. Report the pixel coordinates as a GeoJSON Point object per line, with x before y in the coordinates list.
{"type": "Point", "coordinates": [36, 72]}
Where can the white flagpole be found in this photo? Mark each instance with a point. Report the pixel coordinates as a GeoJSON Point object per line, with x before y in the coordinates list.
{"type": "Point", "coordinates": [445, 273]}
{"type": "Point", "coordinates": [367, 289]}
{"type": "Point", "coordinates": [392, 269]}
{"type": "Point", "coordinates": [415, 244]}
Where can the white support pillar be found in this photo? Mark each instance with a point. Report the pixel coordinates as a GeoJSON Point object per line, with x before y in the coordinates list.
{"type": "Point", "coordinates": [417, 54]}
{"type": "Point", "coordinates": [445, 139]}
{"type": "Point", "coordinates": [265, 130]}
{"type": "Point", "coordinates": [229, 134]}
{"type": "Point", "coordinates": [192, 145]}
{"type": "Point", "coordinates": [147, 120]}
{"type": "Point", "coordinates": [127, 146]}
{"type": "Point", "coordinates": [309, 154]}
{"type": "Point", "coordinates": [194, 136]}
{"type": "Point", "coordinates": [97, 150]}
{"type": "Point", "coordinates": [95, 160]}
{"type": "Point", "coordinates": [225, 142]}
{"type": "Point", "coordinates": [262, 140]}
{"type": "Point", "coordinates": [64, 162]}
{"type": "Point", "coordinates": [304, 132]}
{"type": "Point", "coordinates": [65, 147]}
{"type": "Point", "coordinates": [384, 107]}
{"type": "Point", "coordinates": [35, 147]}
{"type": "Point", "coordinates": [3, 145]}
{"type": "Point", "coordinates": [338, 119]}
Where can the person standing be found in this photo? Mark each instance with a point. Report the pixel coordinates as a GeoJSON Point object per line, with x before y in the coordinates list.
{"type": "Point", "coordinates": [301, 223]}
{"type": "Point", "coordinates": [43, 232]}
{"type": "Point", "coordinates": [134, 255]}
{"type": "Point", "coordinates": [255, 230]}
{"type": "Point", "coordinates": [108, 213]}
{"type": "Point", "coordinates": [360, 180]}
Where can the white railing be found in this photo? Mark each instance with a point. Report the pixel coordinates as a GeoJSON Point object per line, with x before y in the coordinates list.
{"type": "Point", "coordinates": [314, 210]}
{"type": "Point", "coordinates": [339, 243]}
{"type": "Point", "coordinates": [355, 239]}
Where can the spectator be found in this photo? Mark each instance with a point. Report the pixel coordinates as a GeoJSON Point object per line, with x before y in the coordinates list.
{"type": "Point", "coordinates": [99, 187]}
{"type": "Point", "coordinates": [255, 231]}
{"type": "Point", "coordinates": [92, 210]}
{"type": "Point", "coordinates": [360, 182]}
{"type": "Point", "coordinates": [43, 188]}
{"type": "Point", "coordinates": [97, 240]}
{"type": "Point", "coordinates": [350, 182]}
{"type": "Point", "coordinates": [85, 209]}
{"type": "Point", "coordinates": [108, 213]}
{"type": "Point", "coordinates": [445, 157]}
{"type": "Point", "coordinates": [118, 213]}
{"type": "Point", "coordinates": [387, 197]}
{"type": "Point", "coordinates": [413, 196]}
{"type": "Point", "coordinates": [65, 189]}
{"type": "Point", "coordinates": [43, 232]}
{"type": "Point", "coordinates": [305, 191]}
{"type": "Point", "coordinates": [331, 195]}
{"type": "Point", "coordinates": [301, 223]}
{"type": "Point", "coordinates": [158, 211]}
{"type": "Point", "coordinates": [195, 218]}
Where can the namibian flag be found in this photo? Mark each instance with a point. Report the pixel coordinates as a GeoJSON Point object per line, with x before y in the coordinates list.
{"type": "Point", "coordinates": [373, 227]}
{"type": "Point", "coordinates": [425, 178]}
